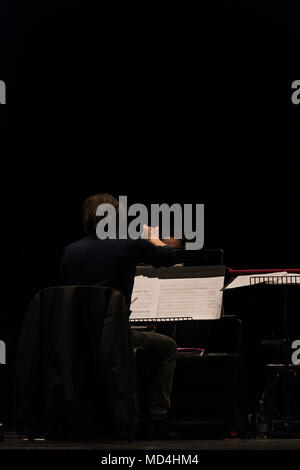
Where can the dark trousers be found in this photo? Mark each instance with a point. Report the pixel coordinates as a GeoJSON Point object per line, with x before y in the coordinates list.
{"type": "Point", "coordinates": [161, 353]}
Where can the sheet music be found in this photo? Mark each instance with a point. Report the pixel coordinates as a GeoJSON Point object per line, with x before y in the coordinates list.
{"type": "Point", "coordinates": [244, 280]}
{"type": "Point", "coordinates": [198, 298]}
{"type": "Point", "coordinates": [145, 293]}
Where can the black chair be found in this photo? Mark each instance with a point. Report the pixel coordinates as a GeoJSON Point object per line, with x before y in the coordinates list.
{"type": "Point", "coordinates": [76, 371]}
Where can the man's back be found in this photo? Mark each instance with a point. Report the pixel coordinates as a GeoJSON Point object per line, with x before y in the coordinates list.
{"type": "Point", "coordinates": [110, 262]}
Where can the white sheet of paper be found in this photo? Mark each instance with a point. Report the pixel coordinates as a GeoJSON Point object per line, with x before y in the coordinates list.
{"type": "Point", "coordinates": [244, 280]}
{"type": "Point", "coordinates": [198, 298]}
{"type": "Point", "coordinates": [145, 292]}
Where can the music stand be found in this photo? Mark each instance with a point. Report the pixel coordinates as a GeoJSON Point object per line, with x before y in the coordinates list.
{"type": "Point", "coordinates": [285, 369]}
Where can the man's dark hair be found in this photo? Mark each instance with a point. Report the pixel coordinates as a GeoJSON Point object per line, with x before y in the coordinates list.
{"type": "Point", "coordinates": [90, 219]}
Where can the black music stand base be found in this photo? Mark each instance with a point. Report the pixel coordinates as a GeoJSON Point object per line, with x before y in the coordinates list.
{"type": "Point", "coordinates": [282, 425]}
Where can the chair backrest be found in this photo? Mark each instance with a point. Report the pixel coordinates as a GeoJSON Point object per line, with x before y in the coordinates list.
{"type": "Point", "coordinates": [75, 366]}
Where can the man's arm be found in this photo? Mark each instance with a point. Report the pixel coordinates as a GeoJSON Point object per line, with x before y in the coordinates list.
{"type": "Point", "coordinates": [155, 252]}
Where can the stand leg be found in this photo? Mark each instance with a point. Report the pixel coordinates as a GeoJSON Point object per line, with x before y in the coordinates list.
{"type": "Point", "coordinates": [1, 432]}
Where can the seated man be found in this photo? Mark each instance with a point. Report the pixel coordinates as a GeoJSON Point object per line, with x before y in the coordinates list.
{"type": "Point", "coordinates": [112, 263]}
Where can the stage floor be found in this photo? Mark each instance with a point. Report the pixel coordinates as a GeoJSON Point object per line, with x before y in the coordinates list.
{"type": "Point", "coordinates": [22, 445]}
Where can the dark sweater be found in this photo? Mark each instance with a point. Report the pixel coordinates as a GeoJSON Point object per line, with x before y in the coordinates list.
{"type": "Point", "coordinates": [110, 263]}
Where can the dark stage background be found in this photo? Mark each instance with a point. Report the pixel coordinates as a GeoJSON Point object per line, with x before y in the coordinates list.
{"type": "Point", "coordinates": [184, 102]}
